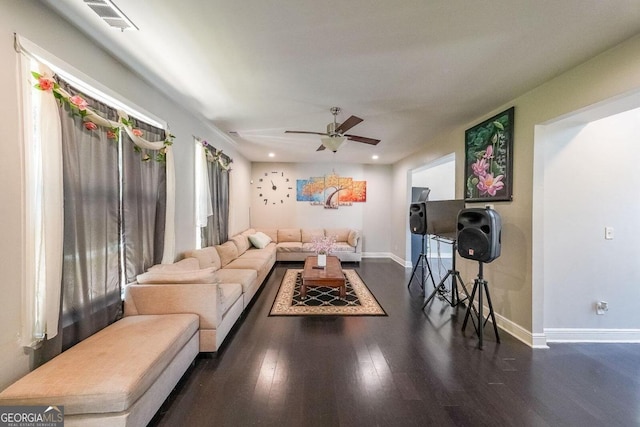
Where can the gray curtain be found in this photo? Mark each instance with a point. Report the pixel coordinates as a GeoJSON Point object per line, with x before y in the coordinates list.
{"type": "Point", "coordinates": [91, 268]}
{"type": "Point", "coordinates": [217, 229]}
{"type": "Point", "coordinates": [143, 204]}
{"type": "Point", "coordinates": [113, 219]}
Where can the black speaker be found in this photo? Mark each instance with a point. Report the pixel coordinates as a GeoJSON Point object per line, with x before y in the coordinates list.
{"type": "Point", "coordinates": [418, 218]}
{"type": "Point", "coordinates": [479, 233]}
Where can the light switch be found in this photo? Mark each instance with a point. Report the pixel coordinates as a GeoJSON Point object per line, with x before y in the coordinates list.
{"type": "Point", "coordinates": [608, 233]}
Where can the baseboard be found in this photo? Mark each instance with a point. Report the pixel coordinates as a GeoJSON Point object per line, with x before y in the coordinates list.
{"type": "Point", "coordinates": [401, 261]}
{"type": "Point", "coordinates": [592, 335]}
{"type": "Point", "coordinates": [516, 331]}
{"type": "Point", "coordinates": [376, 255]}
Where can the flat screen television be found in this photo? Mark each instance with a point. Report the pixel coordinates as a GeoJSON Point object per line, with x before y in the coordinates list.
{"type": "Point", "coordinates": [442, 217]}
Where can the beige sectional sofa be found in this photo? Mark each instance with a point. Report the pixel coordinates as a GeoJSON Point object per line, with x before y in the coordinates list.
{"type": "Point", "coordinates": [295, 244]}
{"type": "Point", "coordinates": [232, 273]}
{"type": "Point", "coordinates": [121, 375]}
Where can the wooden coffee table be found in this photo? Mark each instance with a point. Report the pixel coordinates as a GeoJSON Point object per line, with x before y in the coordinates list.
{"type": "Point", "coordinates": [331, 275]}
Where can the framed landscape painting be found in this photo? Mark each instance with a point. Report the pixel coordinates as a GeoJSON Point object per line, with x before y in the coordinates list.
{"type": "Point", "coordinates": [488, 147]}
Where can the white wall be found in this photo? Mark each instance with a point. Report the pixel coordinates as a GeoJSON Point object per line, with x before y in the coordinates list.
{"type": "Point", "coordinates": [372, 216]}
{"type": "Point", "coordinates": [591, 181]}
{"type": "Point", "coordinates": [440, 177]}
{"type": "Point", "coordinates": [34, 21]}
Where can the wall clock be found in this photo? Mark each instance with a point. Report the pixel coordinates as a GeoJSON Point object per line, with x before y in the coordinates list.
{"type": "Point", "coordinates": [274, 188]}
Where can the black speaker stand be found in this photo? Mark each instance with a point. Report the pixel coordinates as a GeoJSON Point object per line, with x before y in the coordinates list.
{"type": "Point", "coordinates": [455, 276]}
{"type": "Point", "coordinates": [478, 285]}
{"type": "Point", "coordinates": [422, 261]}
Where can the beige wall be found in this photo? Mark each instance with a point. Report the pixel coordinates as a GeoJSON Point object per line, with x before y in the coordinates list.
{"type": "Point", "coordinates": [608, 75]}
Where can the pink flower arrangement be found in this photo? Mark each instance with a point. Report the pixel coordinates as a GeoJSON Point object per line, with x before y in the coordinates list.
{"type": "Point", "coordinates": [323, 244]}
{"type": "Point", "coordinates": [79, 102]}
{"type": "Point", "coordinates": [111, 134]}
{"type": "Point", "coordinates": [90, 126]}
{"type": "Point", "coordinates": [136, 132]}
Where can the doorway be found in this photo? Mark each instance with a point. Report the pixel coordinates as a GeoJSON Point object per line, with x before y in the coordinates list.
{"type": "Point", "coordinates": [439, 177]}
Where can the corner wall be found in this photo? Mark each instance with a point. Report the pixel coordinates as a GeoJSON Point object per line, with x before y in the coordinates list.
{"type": "Point", "coordinates": [517, 300]}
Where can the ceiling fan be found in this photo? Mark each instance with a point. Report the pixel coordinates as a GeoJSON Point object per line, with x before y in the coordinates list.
{"type": "Point", "coordinates": [335, 134]}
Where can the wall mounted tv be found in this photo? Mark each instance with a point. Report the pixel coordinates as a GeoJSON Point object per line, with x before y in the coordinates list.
{"type": "Point", "coordinates": [442, 217]}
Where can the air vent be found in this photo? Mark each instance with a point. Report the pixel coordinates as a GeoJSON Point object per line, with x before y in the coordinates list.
{"type": "Point", "coordinates": [110, 14]}
{"type": "Point", "coordinates": [233, 133]}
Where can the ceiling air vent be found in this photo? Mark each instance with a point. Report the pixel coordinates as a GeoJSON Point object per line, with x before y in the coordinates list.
{"type": "Point", "coordinates": [110, 14]}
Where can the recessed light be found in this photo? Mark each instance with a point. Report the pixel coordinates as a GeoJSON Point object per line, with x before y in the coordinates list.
{"type": "Point", "coordinates": [272, 155]}
{"type": "Point", "coordinates": [374, 157]}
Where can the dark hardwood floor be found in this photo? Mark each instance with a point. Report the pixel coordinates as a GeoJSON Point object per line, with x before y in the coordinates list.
{"type": "Point", "coordinates": [412, 368]}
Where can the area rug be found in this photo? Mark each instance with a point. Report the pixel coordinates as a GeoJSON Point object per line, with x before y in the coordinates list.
{"type": "Point", "coordinates": [324, 301]}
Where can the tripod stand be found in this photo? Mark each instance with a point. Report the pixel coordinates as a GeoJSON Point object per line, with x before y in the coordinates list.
{"type": "Point", "coordinates": [455, 276]}
{"type": "Point", "coordinates": [478, 285]}
{"type": "Point", "coordinates": [422, 261]}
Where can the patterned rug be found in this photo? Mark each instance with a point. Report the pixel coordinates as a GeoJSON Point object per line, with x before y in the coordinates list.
{"type": "Point", "coordinates": [324, 301]}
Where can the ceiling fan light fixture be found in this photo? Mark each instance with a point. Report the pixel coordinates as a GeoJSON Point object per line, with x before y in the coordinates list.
{"type": "Point", "coordinates": [333, 143]}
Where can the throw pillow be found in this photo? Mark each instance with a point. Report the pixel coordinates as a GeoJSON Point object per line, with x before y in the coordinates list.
{"type": "Point", "coordinates": [353, 238]}
{"type": "Point", "coordinates": [259, 240]}
{"type": "Point", "coordinates": [205, 275]}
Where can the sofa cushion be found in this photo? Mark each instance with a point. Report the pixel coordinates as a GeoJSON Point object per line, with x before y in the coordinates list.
{"type": "Point", "coordinates": [341, 234]}
{"type": "Point", "coordinates": [248, 232]}
{"type": "Point", "coordinates": [228, 293]}
{"type": "Point", "coordinates": [259, 240]}
{"type": "Point", "coordinates": [246, 278]}
{"type": "Point", "coordinates": [271, 232]}
{"type": "Point", "coordinates": [354, 235]}
{"type": "Point", "coordinates": [343, 247]}
{"type": "Point", "coordinates": [259, 265]}
{"type": "Point", "coordinates": [203, 275]}
{"type": "Point", "coordinates": [289, 235]}
{"type": "Point", "coordinates": [290, 247]}
{"type": "Point", "coordinates": [268, 252]}
{"type": "Point", "coordinates": [242, 243]}
{"type": "Point", "coordinates": [227, 251]}
{"type": "Point", "coordinates": [110, 370]}
{"type": "Point", "coordinates": [182, 265]}
{"type": "Point", "coordinates": [207, 257]}
{"type": "Point", "coordinates": [308, 234]}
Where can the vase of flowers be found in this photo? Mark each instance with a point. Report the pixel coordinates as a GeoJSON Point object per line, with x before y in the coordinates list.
{"type": "Point", "coordinates": [322, 260]}
{"type": "Point", "coordinates": [323, 246]}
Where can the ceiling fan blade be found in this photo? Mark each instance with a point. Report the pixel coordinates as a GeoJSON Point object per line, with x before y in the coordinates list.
{"type": "Point", "coordinates": [322, 147]}
{"type": "Point", "coordinates": [305, 132]}
{"type": "Point", "coordinates": [363, 139]}
{"type": "Point", "coordinates": [348, 124]}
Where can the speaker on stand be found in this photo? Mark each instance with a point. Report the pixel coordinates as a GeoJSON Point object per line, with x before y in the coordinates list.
{"type": "Point", "coordinates": [418, 225]}
{"type": "Point", "coordinates": [455, 277]}
{"type": "Point", "coordinates": [479, 239]}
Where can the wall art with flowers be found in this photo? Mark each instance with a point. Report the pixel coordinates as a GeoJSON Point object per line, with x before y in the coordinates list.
{"type": "Point", "coordinates": [488, 159]}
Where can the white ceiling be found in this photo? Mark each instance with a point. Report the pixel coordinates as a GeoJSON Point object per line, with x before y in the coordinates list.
{"type": "Point", "coordinates": [410, 68]}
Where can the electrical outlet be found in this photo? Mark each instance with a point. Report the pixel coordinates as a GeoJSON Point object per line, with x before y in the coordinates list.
{"type": "Point", "coordinates": [602, 307]}
{"type": "Point", "coordinates": [608, 233]}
